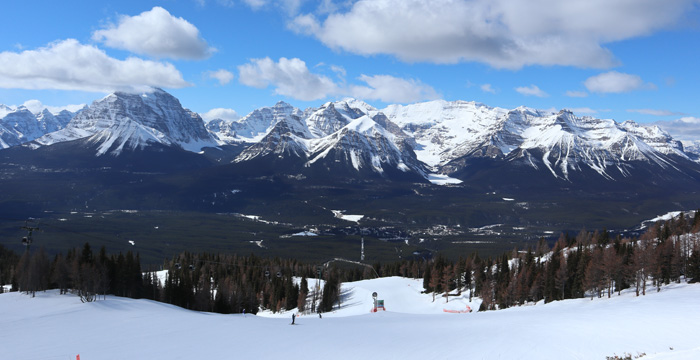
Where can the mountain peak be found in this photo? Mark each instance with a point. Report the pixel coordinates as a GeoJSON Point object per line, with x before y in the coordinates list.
{"type": "Point", "coordinates": [124, 120]}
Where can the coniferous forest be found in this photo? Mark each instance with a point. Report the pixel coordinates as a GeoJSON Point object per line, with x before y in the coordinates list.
{"type": "Point", "coordinates": [593, 264]}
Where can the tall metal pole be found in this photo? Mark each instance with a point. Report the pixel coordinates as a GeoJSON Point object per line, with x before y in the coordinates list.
{"type": "Point", "coordinates": [362, 250]}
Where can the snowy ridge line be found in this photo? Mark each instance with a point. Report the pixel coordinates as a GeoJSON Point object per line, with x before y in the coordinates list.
{"type": "Point", "coordinates": [441, 131]}
{"type": "Point", "coordinates": [421, 139]}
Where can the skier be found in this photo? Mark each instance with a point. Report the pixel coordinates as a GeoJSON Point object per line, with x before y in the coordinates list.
{"type": "Point", "coordinates": [293, 317]}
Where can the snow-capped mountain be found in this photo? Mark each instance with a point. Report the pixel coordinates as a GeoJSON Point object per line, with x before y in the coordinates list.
{"type": "Point", "coordinates": [444, 136]}
{"type": "Point", "coordinates": [365, 144]}
{"type": "Point", "coordinates": [350, 137]}
{"type": "Point", "coordinates": [339, 137]}
{"type": "Point", "coordinates": [692, 149]}
{"type": "Point", "coordinates": [19, 125]}
{"type": "Point", "coordinates": [129, 121]}
{"type": "Point", "coordinates": [254, 126]}
{"type": "Point", "coordinates": [561, 143]}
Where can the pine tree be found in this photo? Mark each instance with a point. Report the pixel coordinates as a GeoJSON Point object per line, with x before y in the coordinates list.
{"type": "Point", "coordinates": [694, 266]}
{"type": "Point", "coordinates": [426, 279]}
{"type": "Point", "coordinates": [303, 292]}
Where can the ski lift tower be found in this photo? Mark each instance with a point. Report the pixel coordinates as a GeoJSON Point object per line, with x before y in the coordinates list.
{"type": "Point", "coordinates": [27, 240]}
{"type": "Point", "coordinates": [362, 250]}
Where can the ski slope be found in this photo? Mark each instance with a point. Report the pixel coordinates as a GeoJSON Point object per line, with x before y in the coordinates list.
{"type": "Point", "coordinates": [50, 326]}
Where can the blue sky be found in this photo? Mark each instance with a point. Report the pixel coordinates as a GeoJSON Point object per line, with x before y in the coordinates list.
{"type": "Point", "coordinates": [619, 59]}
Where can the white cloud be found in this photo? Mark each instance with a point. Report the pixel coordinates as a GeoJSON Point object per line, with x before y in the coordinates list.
{"type": "Point", "coordinates": [223, 76]}
{"type": "Point", "coordinates": [255, 4]}
{"type": "Point", "coordinates": [616, 82]}
{"type": "Point", "coordinates": [69, 65]}
{"type": "Point", "coordinates": [291, 77]}
{"type": "Point", "coordinates": [220, 113]}
{"type": "Point", "coordinates": [685, 128]}
{"type": "Point", "coordinates": [36, 106]}
{"type": "Point", "coordinates": [655, 112]}
{"type": "Point", "coordinates": [579, 94]}
{"type": "Point", "coordinates": [488, 88]}
{"type": "Point", "coordinates": [156, 33]}
{"type": "Point", "coordinates": [583, 110]}
{"type": "Point", "coordinates": [532, 90]}
{"type": "Point", "coordinates": [291, 7]}
{"type": "Point", "coordinates": [502, 33]}
{"type": "Point", "coordinates": [339, 70]}
{"type": "Point", "coordinates": [391, 89]}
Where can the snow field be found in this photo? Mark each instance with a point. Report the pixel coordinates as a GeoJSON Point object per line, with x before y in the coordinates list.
{"type": "Point", "coordinates": [52, 326]}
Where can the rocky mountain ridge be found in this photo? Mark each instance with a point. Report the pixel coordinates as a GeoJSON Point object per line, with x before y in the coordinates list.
{"type": "Point", "coordinates": [351, 136]}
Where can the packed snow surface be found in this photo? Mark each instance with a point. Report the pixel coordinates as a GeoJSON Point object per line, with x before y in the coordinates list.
{"type": "Point", "coordinates": [51, 326]}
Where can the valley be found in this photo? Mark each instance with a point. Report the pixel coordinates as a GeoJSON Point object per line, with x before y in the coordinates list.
{"type": "Point", "coordinates": [434, 177]}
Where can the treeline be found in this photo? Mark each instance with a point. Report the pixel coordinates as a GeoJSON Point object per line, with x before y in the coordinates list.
{"type": "Point", "coordinates": [589, 264]}
{"type": "Point", "coordinates": [8, 263]}
{"type": "Point", "coordinates": [82, 272]}
{"type": "Point", "coordinates": [205, 282]}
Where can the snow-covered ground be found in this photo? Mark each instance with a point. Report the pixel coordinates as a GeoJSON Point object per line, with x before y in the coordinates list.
{"type": "Point", "coordinates": [439, 179]}
{"type": "Point", "coordinates": [340, 214]}
{"type": "Point", "coordinates": [51, 326]}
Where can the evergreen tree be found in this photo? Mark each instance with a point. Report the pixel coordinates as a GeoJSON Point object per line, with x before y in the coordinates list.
{"type": "Point", "coordinates": [694, 266]}
{"type": "Point", "coordinates": [303, 292]}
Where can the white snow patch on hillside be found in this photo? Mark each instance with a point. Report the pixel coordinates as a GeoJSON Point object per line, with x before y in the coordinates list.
{"type": "Point", "coordinates": [665, 217]}
{"type": "Point", "coordinates": [305, 233]}
{"type": "Point", "coordinates": [439, 179]}
{"type": "Point", "coordinates": [340, 214]}
{"type": "Point", "coordinates": [51, 326]}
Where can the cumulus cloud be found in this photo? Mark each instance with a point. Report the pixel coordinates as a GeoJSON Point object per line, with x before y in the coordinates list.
{"type": "Point", "coordinates": [70, 65]}
{"type": "Point", "coordinates": [291, 77]}
{"type": "Point", "coordinates": [223, 76]}
{"type": "Point", "coordinates": [36, 106]}
{"type": "Point", "coordinates": [532, 90]}
{"type": "Point", "coordinates": [388, 88]}
{"type": "Point", "coordinates": [156, 33]}
{"type": "Point", "coordinates": [685, 128]}
{"type": "Point", "coordinates": [501, 33]}
{"type": "Point", "coordinates": [655, 112]}
{"type": "Point", "coordinates": [616, 82]}
{"type": "Point", "coordinates": [220, 113]}
{"type": "Point", "coordinates": [488, 88]}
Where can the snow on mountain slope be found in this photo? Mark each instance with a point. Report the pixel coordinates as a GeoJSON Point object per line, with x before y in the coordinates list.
{"type": "Point", "coordinates": [692, 149]}
{"type": "Point", "coordinates": [53, 326]}
{"type": "Point", "coordinates": [445, 130]}
{"type": "Point", "coordinates": [254, 126]}
{"type": "Point", "coordinates": [281, 141]}
{"type": "Point", "coordinates": [365, 144]}
{"type": "Point", "coordinates": [330, 118]}
{"type": "Point", "coordinates": [19, 125]}
{"type": "Point", "coordinates": [560, 143]}
{"type": "Point", "coordinates": [445, 136]}
{"type": "Point", "coordinates": [338, 134]}
{"type": "Point", "coordinates": [129, 121]}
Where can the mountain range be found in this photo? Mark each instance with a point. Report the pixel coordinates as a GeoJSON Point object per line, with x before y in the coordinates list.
{"type": "Point", "coordinates": [351, 136]}
{"type": "Point", "coordinates": [145, 151]}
